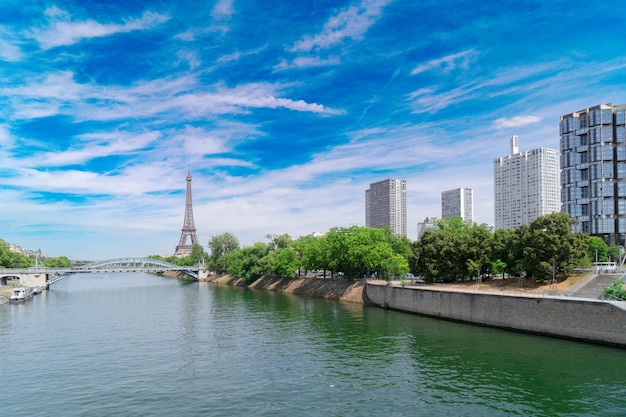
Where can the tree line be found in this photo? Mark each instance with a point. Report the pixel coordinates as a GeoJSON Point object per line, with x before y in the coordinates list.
{"type": "Point", "coordinates": [10, 259]}
{"type": "Point", "coordinates": [544, 249]}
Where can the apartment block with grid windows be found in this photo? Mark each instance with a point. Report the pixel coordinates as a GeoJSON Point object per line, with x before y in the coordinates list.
{"type": "Point", "coordinates": [458, 203]}
{"type": "Point", "coordinates": [593, 170]}
{"type": "Point", "coordinates": [526, 185]}
{"type": "Point", "coordinates": [385, 205]}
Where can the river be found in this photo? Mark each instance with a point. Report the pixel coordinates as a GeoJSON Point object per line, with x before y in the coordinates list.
{"type": "Point", "coordinates": [135, 344]}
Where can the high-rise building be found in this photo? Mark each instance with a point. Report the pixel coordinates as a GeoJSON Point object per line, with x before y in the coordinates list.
{"type": "Point", "coordinates": [458, 203]}
{"type": "Point", "coordinates": [526, 185]}
{"type": "Point", "coordinates": [426, 225]}
{"type": "Point", "coordinates": [593, 170]}
{"type": "Point", "coordinates": [385, 205]}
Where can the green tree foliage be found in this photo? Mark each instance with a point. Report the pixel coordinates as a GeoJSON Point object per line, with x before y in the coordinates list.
{"type": "Point", "coordinates": [10, 259]}
{"type": "Point", "coordinates": [354, 251]}
{"type": "Point", "coordinates": [279, 241]}
{"type": "Point", "coordinates": [455, 251]}
{"type": "Point", "coordinates": [615, 253]}
{"type": "Point", "coordinates": [616, 290]}
{"type": "Point", "coordinates": [220, 246]}
{"type": "Point", "coordinates": [596, 243]}
{"type": "Point", "coordinates": [60, 262]}
{"type": "Point", "coordinates": [247, 262]}
{"type": "Point", "coordinates": [498, 267]}
{"type": "Point", "coordinates": [544, 248]}
{"type": "Point", "coordinates": [508, 248]}
{"type": "Point", "coordinates": [197, 253]}
{"type": "Point", "coordinates": [550, 247]}
{"type": "Point", "coordinates": [281, 262]}
{"type": "Point", "coordinates": [309, 252]}
{"type": "Point", "coordinates": [359, 251]}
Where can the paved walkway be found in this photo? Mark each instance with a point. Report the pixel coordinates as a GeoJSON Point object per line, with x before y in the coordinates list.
{"type": "Point", "coordinates": [594, 288]}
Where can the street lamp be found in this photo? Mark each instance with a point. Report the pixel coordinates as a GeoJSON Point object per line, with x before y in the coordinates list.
{"type": "Point", "coordinates": [596, 260]}
{"type": "Point", "coordinates": [554, 272]}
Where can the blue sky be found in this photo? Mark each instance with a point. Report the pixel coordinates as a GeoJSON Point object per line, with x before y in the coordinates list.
{"type": "Point", "coordinates": [285, 112]}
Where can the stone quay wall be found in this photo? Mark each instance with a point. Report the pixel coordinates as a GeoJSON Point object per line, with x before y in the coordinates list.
{"type": "Point", "coordinates": [579, 319]}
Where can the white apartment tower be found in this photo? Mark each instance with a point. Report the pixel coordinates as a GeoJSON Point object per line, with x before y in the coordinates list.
{"type": "Point", "coordinates": [593, 171]}
{"type": "Point", "coordinates": [526, 185]}
{"type": "Point", "coordinates": [458, 203]}
{"type": "Point", "coordinates": [385, 205]}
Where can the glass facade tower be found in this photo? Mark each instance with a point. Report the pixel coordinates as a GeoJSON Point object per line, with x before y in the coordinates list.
{"type": "Point", "coordinates": [593, 171]}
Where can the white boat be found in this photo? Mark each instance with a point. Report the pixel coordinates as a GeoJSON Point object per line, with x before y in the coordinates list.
{"type": "Point", "coordinates": [37, 289]}
{"type": "Point", "coordinates": [20, 294]}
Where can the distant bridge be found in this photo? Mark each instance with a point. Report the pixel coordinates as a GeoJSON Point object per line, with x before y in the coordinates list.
{"type": "Point", "coordinates": [48, 276]}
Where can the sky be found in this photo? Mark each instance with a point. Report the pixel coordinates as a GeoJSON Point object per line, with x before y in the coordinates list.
{"type": "Point", "coordinates": [283, 112]}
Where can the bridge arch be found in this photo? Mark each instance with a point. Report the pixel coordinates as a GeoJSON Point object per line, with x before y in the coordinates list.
{"type": "Point", "coordinates": [4, 278]}
{"type": "Point", "coordinates": [131, 262]}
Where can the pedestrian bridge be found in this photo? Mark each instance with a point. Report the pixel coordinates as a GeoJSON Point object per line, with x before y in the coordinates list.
{"type": "Point", "coordinates": [47, 276]}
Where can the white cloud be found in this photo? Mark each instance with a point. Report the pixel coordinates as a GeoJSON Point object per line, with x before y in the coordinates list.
{"type": "Point", "coordinates": [62, 31]}
{"type": "Point", "coordinates": [59, 93]}
{"type": "Point", "coordinates": [8, 50]}
{"type": "Point", "coordinates": [516, 121]}
{"type": "Point", "coordinates": [307, 62]}
{"type": "Point", "coordinates": [447, 63]}
{"type": "Point", "coordinates": [352, 23]}
{"type": "Point", "coordinates": [98, 146]}
{"type": "Point", "coordinates": [223, 9]}
{"type": "Point", "coordinates": [504, 81]}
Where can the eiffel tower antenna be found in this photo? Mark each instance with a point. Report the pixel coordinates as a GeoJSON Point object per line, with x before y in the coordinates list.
{"type": "Point", "coordinates": [189, 230]}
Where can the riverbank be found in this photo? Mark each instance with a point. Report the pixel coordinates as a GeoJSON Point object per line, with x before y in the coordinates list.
{"type": "Point", "coordinates": [545, 313]}
{"type": "Point", "coordinates": [330, 289]}
{"type": "Point", "coordinates": [535, 308]}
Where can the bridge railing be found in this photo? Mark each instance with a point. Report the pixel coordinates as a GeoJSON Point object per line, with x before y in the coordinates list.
{"type": "Point", "coordinates": [135, 262]}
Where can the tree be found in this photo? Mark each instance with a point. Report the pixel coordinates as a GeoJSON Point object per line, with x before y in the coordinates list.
{"type": "Point", "coordinates": [282, 262]}
{"type": "Point", "coordinates": [597, 249]}
{"type": "Point", "coordinates": [279, 241]}
{"type": "Point", "coordinates": [309, 251]}
{"type": "Point", "coordinates": [60, 262]}
{"type": "Point", "coordinates": [455, 251]}
{"type": "Point", "coordinates": [220, 246]}
{"type": "Point", "coordinates": [615, 253]}
{"type": "Point", "coordinates": [246, 263]}
{"type": "Point", "coordinates": [507, 247]}
{"type": "Point", "coordinates": [550, 247]}
{"type": "Point", "coordinates": [498, 267]}
{"type": "Point", "coordinates": [10, 259]}
{"type": "Point", "coordinates": [198, 255]}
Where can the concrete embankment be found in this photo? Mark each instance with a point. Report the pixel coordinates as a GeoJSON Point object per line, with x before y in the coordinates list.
{"type": "Point", "coordinates": [579, 319]}
{"type": "Point", "coordinates": [586, 320]}
{"type": "Point", "coordinates": [312, 287]}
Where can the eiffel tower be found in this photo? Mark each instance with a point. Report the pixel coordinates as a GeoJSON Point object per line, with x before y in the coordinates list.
{"type": "Point", "coordinates": [189, 230]}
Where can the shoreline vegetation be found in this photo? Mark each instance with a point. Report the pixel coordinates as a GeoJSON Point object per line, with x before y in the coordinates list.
{"type": "Point", "coordinates": [354, 291]}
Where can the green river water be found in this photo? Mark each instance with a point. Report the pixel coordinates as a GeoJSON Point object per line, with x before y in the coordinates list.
{"type": "Point", "coordinates": [141, 345]}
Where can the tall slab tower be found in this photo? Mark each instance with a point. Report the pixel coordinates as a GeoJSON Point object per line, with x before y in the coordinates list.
{"type": "Point", "coordinates": [189, 229]}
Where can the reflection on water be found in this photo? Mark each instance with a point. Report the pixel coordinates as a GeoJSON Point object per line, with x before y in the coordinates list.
{"type": "Point", "coordinates": [138, 344]}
